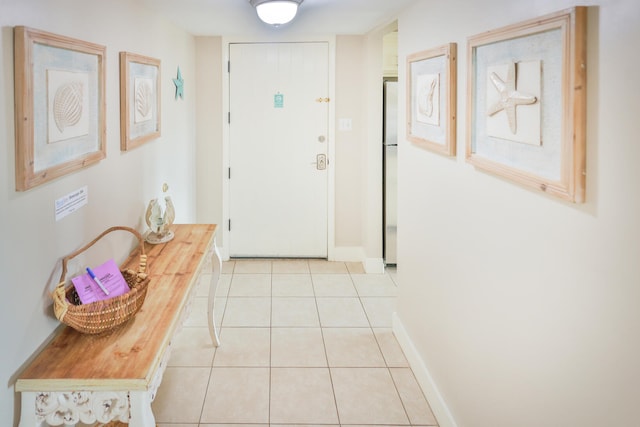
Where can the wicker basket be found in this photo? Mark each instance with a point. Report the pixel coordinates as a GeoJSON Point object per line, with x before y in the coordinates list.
{"type": "Point", "coordinates": [106, 315]}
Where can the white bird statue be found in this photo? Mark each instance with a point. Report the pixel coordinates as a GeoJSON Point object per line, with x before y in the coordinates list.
{"type": "Point", "coordinates": [159, 221]}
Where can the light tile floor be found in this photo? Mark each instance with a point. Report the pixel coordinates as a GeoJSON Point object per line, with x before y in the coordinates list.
{"type": "Point", "coordinates": [304, 342]}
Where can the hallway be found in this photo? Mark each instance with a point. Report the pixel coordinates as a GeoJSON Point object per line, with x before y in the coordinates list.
{"type": "Point", "coordinates": [303, 342]}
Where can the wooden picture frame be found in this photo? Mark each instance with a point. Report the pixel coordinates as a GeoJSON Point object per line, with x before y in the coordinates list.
{"type": "Point", "coordinates": [527, 103]}
{"type": "Point", "coordinates": [431, 99]}
{"type": "Point", "coordinates": [139, 100]}
{"type": "Point", "coordinates": [60, 105]}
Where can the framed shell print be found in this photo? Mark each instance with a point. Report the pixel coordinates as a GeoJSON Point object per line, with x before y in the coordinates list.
{"type": "Point", "coordinates": [139, 100]}
{"type": "Point", "coordinates": [431, 99]}
{"type": "Point", "coordinates": [60, 105]}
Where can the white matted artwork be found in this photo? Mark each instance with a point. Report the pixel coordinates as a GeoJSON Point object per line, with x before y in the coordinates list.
{"type": "Point", "coordinates": [526, 103]}
{"type": "Point", "coordinates": [428, 99]}
{"type": "Point", "coordinates": [513, 102]}
{"type": "Point", "coordinates": [139, 100]}
{"type": "Point", "coordinates": [60, 105]}
{"type": "Point", "coordinates": [144, 98]}
{"type": "Point", "coordinates": [431, 99]}
{"type": "Point", "coordinates": [68, 105]}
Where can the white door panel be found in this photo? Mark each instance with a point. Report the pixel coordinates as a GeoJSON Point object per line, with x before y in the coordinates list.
{"type": "Point", "coordinates": [279, 125]}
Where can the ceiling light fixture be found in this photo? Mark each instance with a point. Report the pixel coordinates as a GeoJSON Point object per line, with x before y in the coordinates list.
{"type": "Point", "coordinates": [276, 12]}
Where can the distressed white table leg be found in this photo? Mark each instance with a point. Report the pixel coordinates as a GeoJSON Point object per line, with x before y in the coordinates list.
{"type": "Point", "coordinates": [216, 267]}
{"type": "Point", "coordinates": [141, 414]}
{"type": "Point", "coordinates": [28, 410]}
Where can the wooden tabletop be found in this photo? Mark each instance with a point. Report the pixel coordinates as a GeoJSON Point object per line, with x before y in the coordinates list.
{"type": "Point", "coordinates": [127, 358]}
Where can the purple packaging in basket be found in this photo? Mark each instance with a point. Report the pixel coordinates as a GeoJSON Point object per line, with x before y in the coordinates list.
{"type": "Point", "coordinates": [107, 276]}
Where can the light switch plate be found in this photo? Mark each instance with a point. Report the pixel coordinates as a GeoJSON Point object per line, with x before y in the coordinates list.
{"type": "Point", "coordinates": [345, 124]}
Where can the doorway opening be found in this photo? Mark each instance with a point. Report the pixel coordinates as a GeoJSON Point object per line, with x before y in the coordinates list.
{"type": "Point", "coordinates": [390, 148]}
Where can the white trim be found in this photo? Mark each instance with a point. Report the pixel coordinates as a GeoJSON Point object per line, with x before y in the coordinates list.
{"type": "Point", "coordinates": [225, 148]}
{"type": "Point", "coordinates": [331, 42]}
{"type": "Point", "coordinates": [373, 265]}
{"type": "Point", "coordinates": [331, 151]}
{"type": "Point", "coordinates": [224, 253]}
{"type": "Point", "coordinates": [428, 386]}
{"type": "Point", "coordinates": [348, 254]}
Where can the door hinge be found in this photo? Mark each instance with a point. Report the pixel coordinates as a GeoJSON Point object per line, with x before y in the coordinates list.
{"type": "Point", "coordinates": [229, 173]}
{"type": "Point", "coordinates": [228, 66]}
{"type": "Point", "coordinates": [229, 225]}
{"type": "Point", "coordinates": [229, 117]}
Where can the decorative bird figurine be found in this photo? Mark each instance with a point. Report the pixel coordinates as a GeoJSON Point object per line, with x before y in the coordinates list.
{"type": "Point", "coordinates": [159, 221]}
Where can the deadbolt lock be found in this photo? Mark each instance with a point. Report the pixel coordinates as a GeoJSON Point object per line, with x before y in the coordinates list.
{"type": "Point", "coordinates": [321, 162]}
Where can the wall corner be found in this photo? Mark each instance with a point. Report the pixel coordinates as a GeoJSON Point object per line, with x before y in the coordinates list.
{"type": "Point", "coordinates": [423, 376]}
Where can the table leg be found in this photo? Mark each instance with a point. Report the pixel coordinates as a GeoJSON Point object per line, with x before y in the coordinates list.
{"type": "Point", "coordinates": [216, 263]}
{"type": "Point", "coordinates": [28, 410]}
{"type": "Point", "coordinates": [141, 414]}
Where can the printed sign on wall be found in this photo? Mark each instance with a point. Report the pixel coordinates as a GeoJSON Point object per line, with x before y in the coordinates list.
{"type": "Point", "coordinates": [278, 100]}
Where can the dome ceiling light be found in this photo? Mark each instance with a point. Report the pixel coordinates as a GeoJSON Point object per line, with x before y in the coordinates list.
{"type": "Point", "coordinates": [276, 12]}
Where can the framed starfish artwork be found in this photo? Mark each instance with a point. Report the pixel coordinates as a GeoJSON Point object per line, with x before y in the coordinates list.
{"type": "Point", "coordinates": [526, 105]}
{"type": "Point", "coordinates": [139, 100]}
{"type": "Point", "coordinates": [60, 105]}
{"type": "Point", "coordinates": [431, 99]}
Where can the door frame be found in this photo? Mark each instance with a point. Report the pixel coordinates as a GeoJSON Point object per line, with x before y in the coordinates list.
{"type": "Point", "coordinates": [226, 41]}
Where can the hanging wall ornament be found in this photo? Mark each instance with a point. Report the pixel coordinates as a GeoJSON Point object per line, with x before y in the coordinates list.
{"type": "Point", "coordinates": [179, 82]}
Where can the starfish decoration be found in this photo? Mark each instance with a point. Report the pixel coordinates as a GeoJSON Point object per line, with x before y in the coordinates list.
{"type": "Point", "coordinates": [179, 82]}
{"type": "Point", "coordinates": [510, 98]}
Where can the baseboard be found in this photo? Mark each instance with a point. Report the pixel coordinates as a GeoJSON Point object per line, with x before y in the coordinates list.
{"type": "Point", "coordinates": [357, 254]}
{"type": "Point", "coordinates": [224, 253]}
{"type": "Point", "coordinates": [347, 254]}
{"type": "Point", "coordinates": [340, 253]}
{"type": "Point", "coordinates": [428, 386]}
{"type": "Point", "coordinates": [373, 265]}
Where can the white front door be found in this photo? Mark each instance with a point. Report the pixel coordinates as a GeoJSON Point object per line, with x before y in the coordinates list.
{"type": "Point", "coordinates": [278, 135]}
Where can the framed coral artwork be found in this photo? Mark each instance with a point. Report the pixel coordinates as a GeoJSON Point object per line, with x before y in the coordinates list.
{"type": "Point", "coordinates": [526, 103]}
{"type": "Point", "coordinates": [139, 100]}
{"type": "Point", "coordinates": [60, 105]}
{"type": "Point", "coordinates": [431, 99]}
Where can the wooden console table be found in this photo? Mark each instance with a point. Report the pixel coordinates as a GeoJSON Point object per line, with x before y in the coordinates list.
{"type": "Point", "coordinates": [87, 378]}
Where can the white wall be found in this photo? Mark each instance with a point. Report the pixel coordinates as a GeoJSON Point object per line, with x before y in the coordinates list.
{"type": "Point", "coordinates": [32, 242]}
{"type": "Point", "coordinates": [209, 113]}
{"type": "Point", "coordinates": [350, 67]}
{"type": "Point", "coordinates": [372, 149]}
{"type": "Point", "coordinates": [359, 96]}
{"type": "Point", "coordinates": [523, 308]}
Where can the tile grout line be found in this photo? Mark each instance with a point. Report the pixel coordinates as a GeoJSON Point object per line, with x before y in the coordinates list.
{"type": "Point", "coordinates": [270, 342]}
{"type": "Point", "coordinates": [206, 393]}
{"type": "Point", "coordinates": [215, 353]}
{"type": "Point", "coordinates": [326, 356]}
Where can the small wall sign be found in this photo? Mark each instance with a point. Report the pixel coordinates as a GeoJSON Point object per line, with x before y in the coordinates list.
{"type": "Point", "coordinates": [71, 202]}
{"type": "Point", "coordinates": [278, 100]}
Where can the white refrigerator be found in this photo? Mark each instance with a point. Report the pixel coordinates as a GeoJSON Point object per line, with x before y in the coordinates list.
{"type": "Point", "coordinates": [390, 175]}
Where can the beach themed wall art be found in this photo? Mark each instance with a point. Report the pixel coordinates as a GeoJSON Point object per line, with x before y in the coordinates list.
{"type": "Point", "coordinates": [139, 100]}
{"type": "Point", "coordinates": [60, 105]}
{"type": "Point", "coordinates": [431, 99]}
{"type": "Point", "coordinates": [527, 103]}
